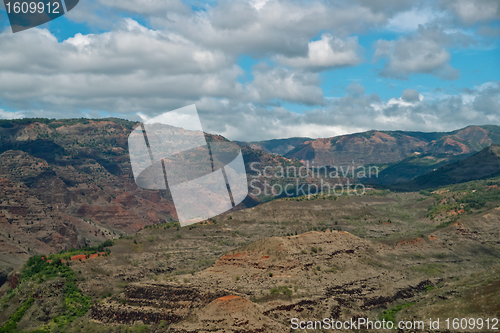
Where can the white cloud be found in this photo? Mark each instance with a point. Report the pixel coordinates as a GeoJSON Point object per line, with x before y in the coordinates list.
{"type": "Point", "coordinates": [328, 52]}
{"type": "Point", "coordinates": [472, 11]}
{"type": "Point", "coordinates": [120, 71]}
{"type": "Point", "coordinates": [349, 114]}
{"type": "Point", "coordinates": [423, 52]}
{"type": "Point", "coordinates": [275, 27]}
{"type": "Point", "coordinates": [11, 114]}
{"type": "Point", "coordinates": [151, 7]}
{"type": "Point", "coordinates": [190, 57]}
{"type": "Point", "coordinates": [258, 4]}
{"type": "Point", "coordinates": [410, 20]}
{"type": "Point", "coordinates": [288, 85]}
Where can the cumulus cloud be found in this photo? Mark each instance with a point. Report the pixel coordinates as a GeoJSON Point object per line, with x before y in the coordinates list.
{"type": "Point", "coordinates": [328, 52]}
{"type": "Point", "coordinates": [11, 115]}
{"type": "Point", "coordinates": [410, 95]}
{"type": "Point", "coordinates": [104, 13]}
{"type": "Point", "coordinates": [119, 71]}
{"type": "Point", "coordinates": [423, 52]}
{"type": "Point", "coordinates": [151, 7]}
{"type": "Point", "coordinates": [389, 6]}
{"type": "Point", "coordinates": [410, 20]}
{"type": "Point", "coordinates": [348, 114]}
{"type": "Point", "coordinates": [473, 11]}
{"type": "Point", "coordinates": [288, 85]}
{"type": "Point", "coordinates": [274, 27]}
{"type": "Point", "coordinates": [130, 48]}
{"type": "Point", "coordinates": [190, 56]}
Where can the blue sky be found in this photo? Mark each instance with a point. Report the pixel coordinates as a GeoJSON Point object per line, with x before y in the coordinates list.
{"type": "Point", "coordinates": [261, 69]}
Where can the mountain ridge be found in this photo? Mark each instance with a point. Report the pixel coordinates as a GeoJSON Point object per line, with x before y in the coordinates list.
{"type": "Point", "coordinates": [374, 147]}
{"type": "Point", "coordinates": [482, 165]}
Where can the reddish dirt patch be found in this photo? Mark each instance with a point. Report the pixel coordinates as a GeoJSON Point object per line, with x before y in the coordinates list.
{"type": "Point", "coordinates": [84, 257]}
{"type": "Point", "coordinates": [231, 304]}
{"type": "Point", "coordinates": [233, 256]}
{"type": "Point", "coordinates": [410, 242]}
{"type": "Point", "coordinates": [227, 298]}
{"type": "Point", "coordinates": [78, 257]}
{"type": "Point", "coordinates": [431, 237]}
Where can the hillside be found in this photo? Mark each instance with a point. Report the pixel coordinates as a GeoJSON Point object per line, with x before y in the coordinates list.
{"type": "Point", "coordinates": [392, 256]}
{"type": "Point", "coordinates": [69, 183]}
{"type": "Point", "coordinates": [276, 146]}
{"type": "Point", "coordinates": [481, 165]}
{"type": "Point", "coordinates": [375, 147]}
{"type": "Point", "coordinates": [415, 165]}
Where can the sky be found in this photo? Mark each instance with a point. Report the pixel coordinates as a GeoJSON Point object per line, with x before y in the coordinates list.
{"type": "Point", "coordinates": [262, 69]}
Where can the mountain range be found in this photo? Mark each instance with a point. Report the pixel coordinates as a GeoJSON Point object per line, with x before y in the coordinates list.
{"type": "Point", "coordinates": [69, 183]}
{"type": "Point", "coordinates": [382, 147]}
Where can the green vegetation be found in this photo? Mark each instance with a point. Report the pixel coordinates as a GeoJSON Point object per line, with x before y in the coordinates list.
{"type": "Point", "coordinates": [65, 255]}
{"type": "Point", "coordinates": [414, 165]}
{"type": "Point", "coordinates": [463, 199]}
{"type": "Point", "coordinates": [39, 269]}
{"type": "Point", "coordinates": [284, 290]}
{"type": "Point", "coordinates": [389, 315]}
{"type": "Point", "coordinates": [430, 287]}
{"type": "Point", "coordinates": [431, 269]}
{"type": "Point", "coordinates": [11, 324]}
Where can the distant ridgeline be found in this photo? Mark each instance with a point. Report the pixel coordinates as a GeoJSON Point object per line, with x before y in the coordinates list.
{"type": "Point", "coordinates": [55, 123]}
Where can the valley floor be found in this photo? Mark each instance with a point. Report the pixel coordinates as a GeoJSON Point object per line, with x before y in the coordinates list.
{"type": "Point", "coordinates": [384, 256]}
